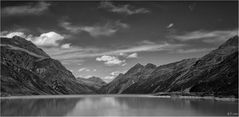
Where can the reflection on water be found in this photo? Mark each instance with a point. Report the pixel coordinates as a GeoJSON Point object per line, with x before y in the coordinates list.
{"type": "Point", "coordinates": [115, 105]}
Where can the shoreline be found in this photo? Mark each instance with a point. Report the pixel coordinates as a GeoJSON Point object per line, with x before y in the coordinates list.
{"type": "Point", "coordinates": [122, 95]}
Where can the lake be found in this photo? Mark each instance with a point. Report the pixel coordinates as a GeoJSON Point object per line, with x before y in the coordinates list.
{"type": "Point", "coordinates": [115, 105]}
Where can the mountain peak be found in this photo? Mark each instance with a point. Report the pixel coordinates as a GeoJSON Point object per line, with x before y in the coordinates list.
{"type": "Point", "coordinates": [93, 78]}
{"type": "Point", "coordinates": [138, 64]}
{"type": "Point", "coordinates": [150, 65]}
{"type": "Point", "coordinates": [230, 42]}
{"type": "Point", "coordinates": [135, 68]}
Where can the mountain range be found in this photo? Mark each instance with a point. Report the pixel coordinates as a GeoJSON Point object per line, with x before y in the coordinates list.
{"type": "Point", "coordinates": [216, 74]}
{"type": "Point", "coordinates": [28, 70]}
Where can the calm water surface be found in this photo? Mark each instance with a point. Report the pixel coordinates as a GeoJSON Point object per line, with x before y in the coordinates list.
{"type": "Point", "coordinates": [116, 106]}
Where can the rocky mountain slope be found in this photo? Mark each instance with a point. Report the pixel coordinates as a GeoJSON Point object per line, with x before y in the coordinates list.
{"type": "Point", "coordinates": [93, 83]}
{"type": "Point", "coordinates": [213, 74]}
{"type": "Point", "coordinates": [28, 70]}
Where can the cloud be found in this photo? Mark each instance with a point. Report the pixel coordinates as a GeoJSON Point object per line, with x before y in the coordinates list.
{"type": "Point", "coordinates": [206, 36]}
{"type": "Point", "coordinates": [123, 9]}
{"type": "Point", "coordinates": [71, 61]}
{"type": "Point", "coordinates": [185, 51]}
{"type": "Point", "coordinates": [122, 54]}
{"type": "Point", "coordinates": [111, 76]}
{"type": "Point", "coordinates": [71, 28]}
{"type": "Point", "coordinates": [84, 69]}
{"type": "Point", "coordinates": [45, 39]}
{"type": "Point", "coordinates": [133, 55]}
{"type": "Point", "coordinates": [115, 73]}
{"type": "Point", "coordinates": [148, 42]}
{"type": "Point", "coordinates": [106, 29]}
{"type": "Point", "coordinates": [124, 64]}
{"type": "Point", "coordinates": [110, 60]}
{"type": "Point", "coordinates": [89, 52]}
{"type": "Point", "coordinates": [29, 9]}
{"type": "Point", "coordinates": [148, 48]}
{"type": "Point", "coordinates": [170, 25]}
{"type": "Point", "coordinates": [108, 78]}
{"type": "Point", "coordinates": [12, 34]}
{"type": "Point", "coordinates": [67, 45]}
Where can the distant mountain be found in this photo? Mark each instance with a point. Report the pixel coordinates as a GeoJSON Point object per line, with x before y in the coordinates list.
{"type": "Point", "coordinates": [28, 70]}
{"type": "Point", "coordinates": [137, 74]}
{"type": "Point", "coordinates": [213, 74]}
{"type": "Point", "coordinates": [93, 83]}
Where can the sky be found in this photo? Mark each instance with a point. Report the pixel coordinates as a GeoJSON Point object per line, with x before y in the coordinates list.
{"type": "Point", "coordinates": [105, 38]}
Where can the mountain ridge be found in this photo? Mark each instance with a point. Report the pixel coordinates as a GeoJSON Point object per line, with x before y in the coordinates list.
{"type": "Point", "coordinates": [28, 70]}
{"type": "Point", "coordinates": [187, 75]}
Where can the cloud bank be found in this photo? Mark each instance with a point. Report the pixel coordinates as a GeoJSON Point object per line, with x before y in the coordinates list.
{"type": "Point", "coordinates": [110, 60]}
{"type": "Point", "coordinates": [106, 29]}
{"type": "Point", "coordinates": [123, 9]}
{"type": "Point", "coordinates": [206, 36]}
{"type": "Point", "coordinates": [29, 9]}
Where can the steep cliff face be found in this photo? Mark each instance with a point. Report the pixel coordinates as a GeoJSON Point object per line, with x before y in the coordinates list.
{"type": "Point", "coordinates": [28, 70]}
{"type": "Point", "coordinates": [215, 73]}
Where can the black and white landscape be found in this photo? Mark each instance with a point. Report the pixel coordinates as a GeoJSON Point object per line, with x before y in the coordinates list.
{"type": "Point", "coordinates": [108, 58]}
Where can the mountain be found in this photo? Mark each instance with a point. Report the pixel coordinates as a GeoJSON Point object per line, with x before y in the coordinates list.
{"type": "Point", "coordinates": [213, 74]}
{"type": "Point", "coordinates": [137, 73]}
{"type": "Point", "coordinates": [93, 82]}
{"type": "Point", "coordinates": [28, 70]}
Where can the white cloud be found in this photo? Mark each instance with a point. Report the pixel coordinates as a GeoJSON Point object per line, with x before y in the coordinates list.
{"type": "Point", "coordinates": [84, 69]}
{"type": "Point", "coordinates": [148, 48]}
{"type": "Point", "coordinates": [108, 78]}
{"type": "Point", "coordinates": [133, 55]}
{"type": "Point", "coordinates": [45, 39]}
{"type": "Point", "coordinates": [111, 76]}
{"type": "Point", "coordinates": [29, 9]}
{"type": "Point", "coordinates": [71, 28]}
{"type": "Point", "coordinates": [115, 73]}
{"type": "Point", "coordinates": [124, 64]}
{"type": "Point", "coordinates": [71, 61]}
{"type": "Point", "coordinates": [123, 9]}
{"type": "Point", "coordinates": [12, 34]}
{"type": "Point", "coordinates": [107, 29]}
{"type": "Point", "coordinates": [88, 52]}
{"type": "Point", "coordinates": [184, 51]}
{"type": "Point", "coordinates": [110, 60]}
{"type": "Point", "coordinates": [170, 25]}
{"type": "Point", "coordinates": [206, 36]}
{"type": "Point", "coordinates": [67, 45]}
{"type": "Point", "coordinates": [99, 31]}
{"type": "Point", "coordinates": [148, 42]}
{"type": "Point", "coordinates": [122, 54]}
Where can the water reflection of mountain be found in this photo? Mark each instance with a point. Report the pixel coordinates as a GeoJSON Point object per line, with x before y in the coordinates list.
{"type": "Point", "coordinates": [214, 108]}
{"type": "Point", "coordinates": [156, 106]}
{"type": "Point", "coordinates": [115, 106]}
{"type": "Point", "coordinates": [95, 106]}
{"type": "Point", "coordinates": [37, 107]}
{"type": "Point", "coordinates": [176, 107]}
